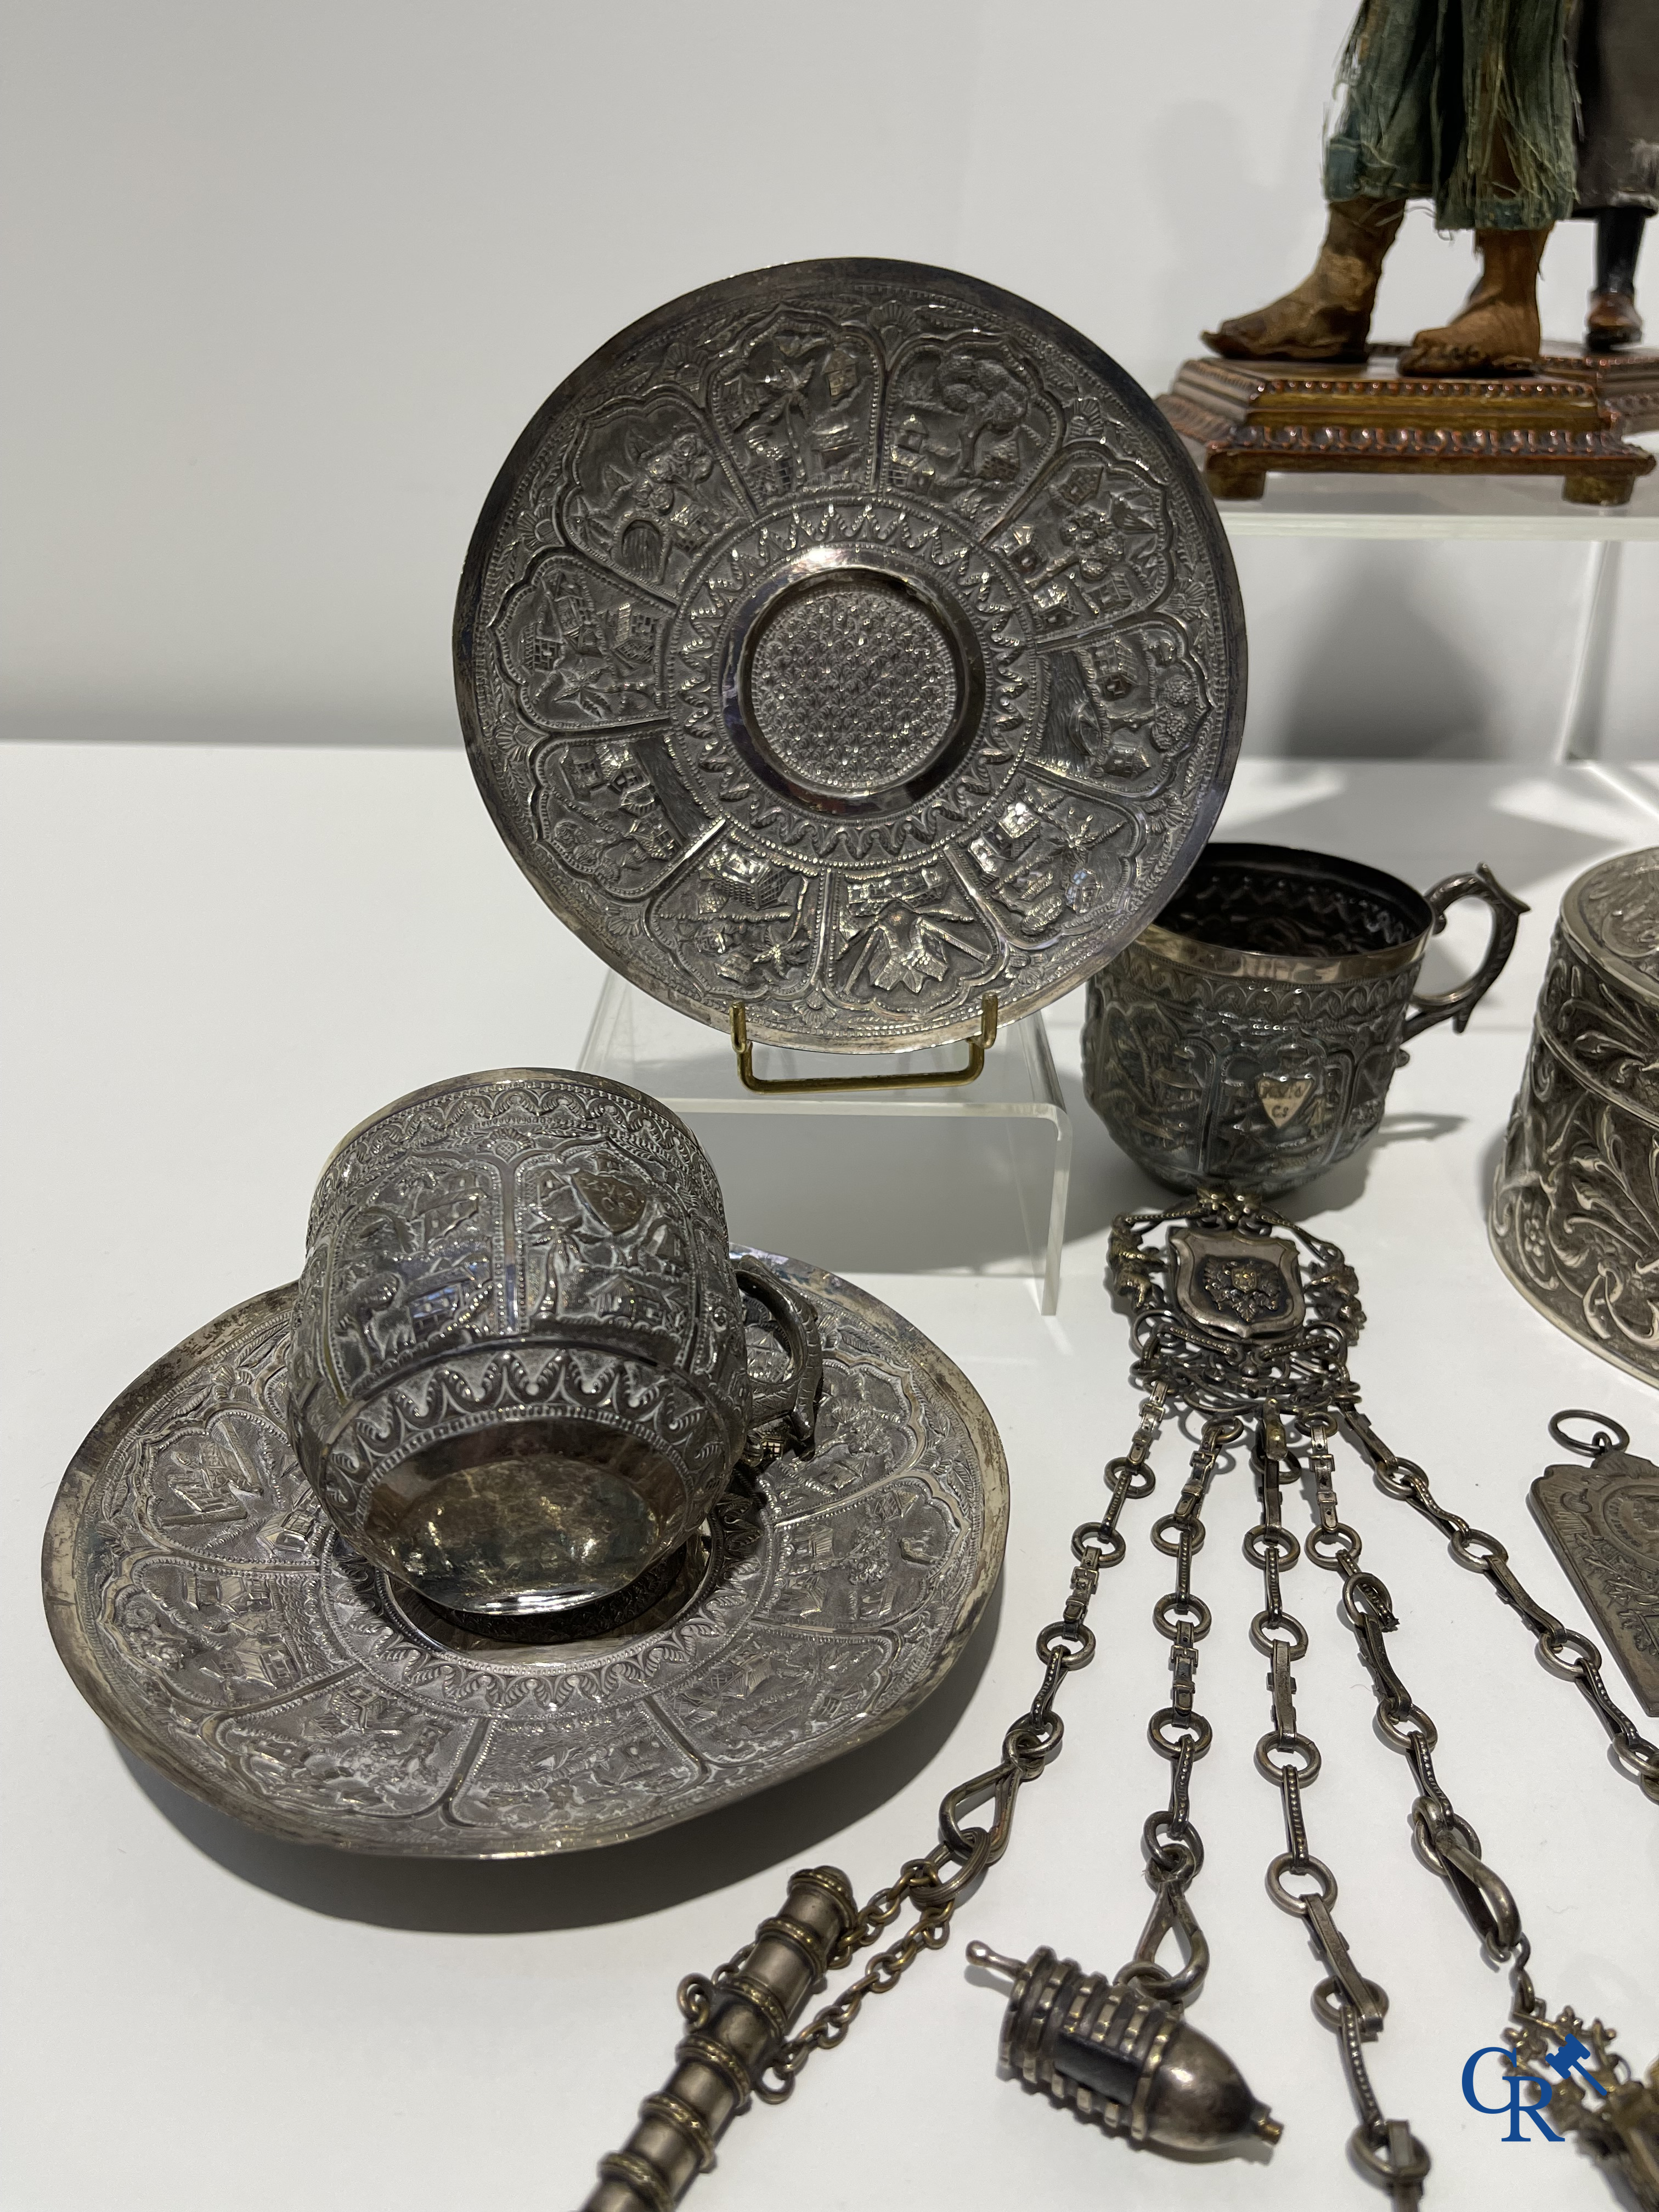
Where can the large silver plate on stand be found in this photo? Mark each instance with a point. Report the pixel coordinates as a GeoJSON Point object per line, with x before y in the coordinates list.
{"type": "Point", "coordinates": [212, 1617]}
{"type": "Point", "coordinates": [851, 640]}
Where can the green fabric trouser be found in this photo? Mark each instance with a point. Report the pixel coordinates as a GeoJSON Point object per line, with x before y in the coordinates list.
{"type": "Point", "coordinates": [1466, 102]}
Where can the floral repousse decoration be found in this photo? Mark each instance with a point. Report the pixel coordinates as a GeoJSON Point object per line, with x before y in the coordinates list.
{"type": "Point", "coordinates": [1575, 1208]}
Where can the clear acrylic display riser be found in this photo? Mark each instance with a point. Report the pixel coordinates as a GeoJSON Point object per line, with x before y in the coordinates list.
{"type": "Point", "coordinates": [968, 1181]}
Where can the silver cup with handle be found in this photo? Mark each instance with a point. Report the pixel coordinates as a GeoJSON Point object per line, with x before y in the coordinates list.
{"type": "Point", "coordinates": [1247, 1038]}
{"type": "Point", "coordinates": [519, 1375]}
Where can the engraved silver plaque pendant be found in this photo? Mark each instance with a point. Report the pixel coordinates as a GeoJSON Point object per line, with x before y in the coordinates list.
{"type": "Point", "coordinates": [1602, 1523]}
{"type": "Point", "coordinates": [221, 1625]}
{"type": "Point", "coordinates": [846, 641]}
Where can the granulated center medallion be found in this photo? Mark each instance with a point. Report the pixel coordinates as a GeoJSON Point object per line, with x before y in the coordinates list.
{"type": "Point", "coordinates": [853, 687]}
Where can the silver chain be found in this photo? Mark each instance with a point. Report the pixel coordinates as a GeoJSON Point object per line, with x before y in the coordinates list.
{"type": "Point", "coordinates": [1566, 1651]}
{"type": "Point", "coordinates": [935, 1886]}
{"type": "Point", "coordinates": [1292, 1386]}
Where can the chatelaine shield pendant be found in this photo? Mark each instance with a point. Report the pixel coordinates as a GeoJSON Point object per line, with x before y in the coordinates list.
{"type": "Point", "coordinates": [848, 641]}
{"type": "Point", "coordinates": [218, 1623]}
{"type": "Point", "coordinates": [1242, 1286]}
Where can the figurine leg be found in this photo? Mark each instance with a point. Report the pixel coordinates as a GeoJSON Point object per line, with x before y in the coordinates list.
{"type": "Point", "coordinates": [1613, 320]}
{"type": "Point", "coordinates": [1329, 316]}
{"type": "Point", "coordinates": [1496, 329]}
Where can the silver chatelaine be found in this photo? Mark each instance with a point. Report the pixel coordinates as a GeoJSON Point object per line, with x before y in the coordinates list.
{"type": "Point", "coordinates": [1230, 1331]}
{"type": "Point", "coordinates": [1133, 2064]}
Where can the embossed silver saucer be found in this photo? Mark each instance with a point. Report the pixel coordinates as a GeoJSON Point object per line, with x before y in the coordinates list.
{"type": "Point", "coordinates": [847, 641]}
{"type": "Point", "coordinates": [218, 1625]}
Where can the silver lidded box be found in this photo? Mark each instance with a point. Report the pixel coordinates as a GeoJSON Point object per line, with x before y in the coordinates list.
{"type": "Point", "coordinates": [1575, 1208]}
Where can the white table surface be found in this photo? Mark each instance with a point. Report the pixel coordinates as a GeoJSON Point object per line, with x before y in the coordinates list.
{"type": "Point", "coordinates": [217, 960]}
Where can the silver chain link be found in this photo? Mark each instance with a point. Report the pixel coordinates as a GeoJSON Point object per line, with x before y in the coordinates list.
{"type": "Point", "coordinates": [1566, 1651]}
{"type": "Point", "coordinates": [936, 1884]}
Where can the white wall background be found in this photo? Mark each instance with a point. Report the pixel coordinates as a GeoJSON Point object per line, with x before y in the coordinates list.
{"type": "Point", "coordinates": [284, 283]}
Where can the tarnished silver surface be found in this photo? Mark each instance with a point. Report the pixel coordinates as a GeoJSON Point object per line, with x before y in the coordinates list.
{"type": "Point", "coordinates": [516, 1376]}
{"type": "Point", "coordinates": [850, 640]}
{"type": "Point", "coordinates": [1575, 1206]}
{"type": "Point", "coordinates": [1120, 2053]}
{"type": "Point", "coordinates": [218, 1623]}
{"type": "Point", "coordinates": [1247, 1038]}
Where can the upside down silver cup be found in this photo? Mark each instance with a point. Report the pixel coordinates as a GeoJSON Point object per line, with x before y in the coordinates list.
{"type": "Point", "coordinates": [1248, 1039]}
{"type": "Point", "coordinates": [518, 1377]}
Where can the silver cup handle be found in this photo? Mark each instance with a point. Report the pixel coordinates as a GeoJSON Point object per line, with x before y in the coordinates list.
{"type": "Point", "coordinates": [793, 1400]}
{"type": "Point", "coordinates": [1457, 1005]}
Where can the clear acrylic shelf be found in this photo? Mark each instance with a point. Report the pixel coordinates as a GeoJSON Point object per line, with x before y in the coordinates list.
{"type": "Point", "coordinates": [959, 1181]}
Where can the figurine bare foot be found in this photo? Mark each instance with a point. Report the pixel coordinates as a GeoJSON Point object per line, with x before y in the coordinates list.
{"type": "Point", "coordinates": [1611, 322]}
{"type": "Point", "coordinates": [1497, 330]}
{"type": "Point", "coordinates": [1329, 316]}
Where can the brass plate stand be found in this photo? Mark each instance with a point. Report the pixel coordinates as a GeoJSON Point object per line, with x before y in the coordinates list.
{"type": "Point", "coordinates": [1245, 418]}
{"type": "Point", "coordinates": [937, 1079]}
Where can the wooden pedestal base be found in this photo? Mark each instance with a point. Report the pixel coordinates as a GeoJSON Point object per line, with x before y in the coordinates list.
{"type": "Point", "coordinates": [1245, 418]}
{"type": "Point", "coordinates": [1627, 380]}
